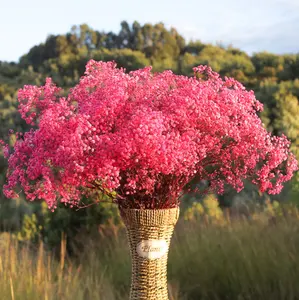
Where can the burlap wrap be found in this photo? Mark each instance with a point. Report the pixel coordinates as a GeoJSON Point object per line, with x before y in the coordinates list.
{"type": "Point", "coordinates": [149, 276]}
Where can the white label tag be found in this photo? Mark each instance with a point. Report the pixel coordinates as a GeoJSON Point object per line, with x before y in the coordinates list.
{"type": "Point", "coordinates": [152, 249]}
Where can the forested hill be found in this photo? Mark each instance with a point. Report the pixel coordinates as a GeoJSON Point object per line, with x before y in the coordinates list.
{"type": "Point", "coordinates": [63, 57]}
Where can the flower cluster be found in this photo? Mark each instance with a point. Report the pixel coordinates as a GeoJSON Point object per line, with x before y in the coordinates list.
{"type": "Point", "coordinates": [144, 136]}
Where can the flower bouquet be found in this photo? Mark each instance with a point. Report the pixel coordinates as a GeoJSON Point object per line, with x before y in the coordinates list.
{"type": "Point", "coordinates": [140, 138]}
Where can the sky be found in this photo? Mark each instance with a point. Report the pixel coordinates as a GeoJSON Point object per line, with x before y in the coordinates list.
{"type": "Point", "coordinates": [251, 25]}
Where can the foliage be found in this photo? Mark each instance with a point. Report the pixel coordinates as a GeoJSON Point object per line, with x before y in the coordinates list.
{"type": "Point", "coordinates": [30, 229]}
{"type": "Point", "coordinates": [50, 227]}
{"type": "Point", "coordinates": [208, 212]}
{"type": "Point", "coordinates": [228, 62]}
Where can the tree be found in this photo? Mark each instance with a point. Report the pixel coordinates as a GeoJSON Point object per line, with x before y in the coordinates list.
{"type": "Point", "coordinates": [267, 65]}
{"type": "Point", "coordinates": [126, 58]}
{"type": "Point", "coordinates": [228, 62]}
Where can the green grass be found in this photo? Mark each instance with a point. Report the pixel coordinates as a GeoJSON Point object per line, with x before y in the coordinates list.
{"type": "Point", "coordinates": [241, 261]}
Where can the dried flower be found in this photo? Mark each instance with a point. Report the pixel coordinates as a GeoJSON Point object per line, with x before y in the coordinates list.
{"type": "Point", "coordinates": [145, 136]}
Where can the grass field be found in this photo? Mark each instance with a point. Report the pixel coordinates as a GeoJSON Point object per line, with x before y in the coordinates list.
{"type": "Point", "coordinates": [240, 261]}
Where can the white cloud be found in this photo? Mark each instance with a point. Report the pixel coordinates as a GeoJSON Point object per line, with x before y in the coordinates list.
{"type": "Point", "coordinates": [271, 25]}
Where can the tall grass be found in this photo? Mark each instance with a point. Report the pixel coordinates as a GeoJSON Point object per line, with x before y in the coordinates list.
{"type": "Point", "coordinates": [243, 261]}
{"type": "Point", "coordinates": [30, 273]}
{"type": "Point", "coordinates": [240, 261]}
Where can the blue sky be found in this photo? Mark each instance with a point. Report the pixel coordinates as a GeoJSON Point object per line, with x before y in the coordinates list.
{"type": "Point", "coordinates": [252, 25]}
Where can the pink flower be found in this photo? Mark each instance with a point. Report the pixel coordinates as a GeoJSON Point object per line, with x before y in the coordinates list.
{"type": "Point", "coordinates": [145, 136]}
